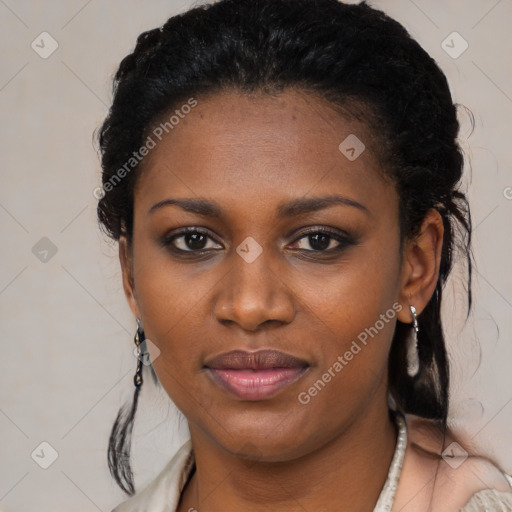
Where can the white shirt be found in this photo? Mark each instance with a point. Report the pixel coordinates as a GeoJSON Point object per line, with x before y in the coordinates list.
{"type": "Point", "coordinates": [164, 492]}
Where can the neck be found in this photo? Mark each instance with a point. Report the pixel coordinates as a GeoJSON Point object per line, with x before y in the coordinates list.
{"type": "Point", "coordinates": [347, 473]}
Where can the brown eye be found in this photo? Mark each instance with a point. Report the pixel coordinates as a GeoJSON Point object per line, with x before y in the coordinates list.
{"type": "Point", "coordinates": [194, 241]}
{"type": "Point", "coordinates": [319, 241]}
{"type": "Point", "coordinates": [189, 240]}
{"type": "Point", "coordinates": [322, 240]}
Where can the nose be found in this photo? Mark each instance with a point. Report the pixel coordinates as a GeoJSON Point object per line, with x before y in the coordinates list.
{"type": "Point", "coordinates": [253, 295]}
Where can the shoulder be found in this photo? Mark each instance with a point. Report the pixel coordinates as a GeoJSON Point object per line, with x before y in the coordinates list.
{"type": "Point", "coordinates": [163, 492]}
{"type": "Point", "coordinates": [489, 500]}
{"type": "Point", "coordinates": [439, 474]}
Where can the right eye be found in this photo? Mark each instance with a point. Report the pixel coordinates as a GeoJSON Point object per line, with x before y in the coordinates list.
{"type": "Point", "coordinates": [189, 240]}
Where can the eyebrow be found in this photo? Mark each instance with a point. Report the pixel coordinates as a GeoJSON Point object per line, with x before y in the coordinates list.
{"type": "Point", "coordinates": [292, 208]}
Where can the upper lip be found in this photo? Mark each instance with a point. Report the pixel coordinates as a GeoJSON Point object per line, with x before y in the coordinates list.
{"type": "Point", "coordinates": [260, 360]}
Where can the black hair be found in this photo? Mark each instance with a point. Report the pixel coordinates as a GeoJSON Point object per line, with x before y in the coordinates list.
{"type": "Point", "coordinates": [361, 61]}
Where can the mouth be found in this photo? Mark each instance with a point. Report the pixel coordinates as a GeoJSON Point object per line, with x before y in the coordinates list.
{"type": "Point", "coordinates": [255, 375]}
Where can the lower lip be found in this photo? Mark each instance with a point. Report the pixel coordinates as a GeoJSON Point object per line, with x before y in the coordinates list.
{"type": "Point", "coordinates": [256, 385]}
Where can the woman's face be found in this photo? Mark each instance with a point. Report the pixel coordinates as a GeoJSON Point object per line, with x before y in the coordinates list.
{"type": "Point", "coordinates": [260, 274]}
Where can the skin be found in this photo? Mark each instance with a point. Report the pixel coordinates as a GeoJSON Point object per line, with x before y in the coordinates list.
{"type": "Point", "coordinates": [250, 153]}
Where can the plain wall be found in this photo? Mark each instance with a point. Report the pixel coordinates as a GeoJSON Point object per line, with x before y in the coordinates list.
{"type": "Point", "coordinates": [66, 330]}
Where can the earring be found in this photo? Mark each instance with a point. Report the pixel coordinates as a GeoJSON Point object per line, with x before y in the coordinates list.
{"type": "Point", "coordinates": [413, 361]}
{"type": "Point", "coordinates": [138, 339]}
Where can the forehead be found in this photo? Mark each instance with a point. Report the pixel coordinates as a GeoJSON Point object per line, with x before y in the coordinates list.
{"type": "Point", "coordinates": [259, 149]}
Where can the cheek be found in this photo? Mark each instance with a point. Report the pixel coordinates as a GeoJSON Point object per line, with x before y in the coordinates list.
{"type": "Point", "coordinates": [356, 333]}
{"type": "Point", "coordinates": [172, 306]}
{"type": "Point", "coordinates": [354, 317]}
{"type": "Point", "coordinates": [352, 296]}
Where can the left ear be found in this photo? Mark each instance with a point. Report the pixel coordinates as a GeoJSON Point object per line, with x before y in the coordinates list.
{"type": "Point", "coordinates": [420, 266]}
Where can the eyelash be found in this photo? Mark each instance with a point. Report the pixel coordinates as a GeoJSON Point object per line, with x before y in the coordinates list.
{"type": "Point", "coordinates": [344, 240]}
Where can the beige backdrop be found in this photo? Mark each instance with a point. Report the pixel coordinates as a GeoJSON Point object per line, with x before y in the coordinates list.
{"type": "Point", "coordinates": [66, 331]}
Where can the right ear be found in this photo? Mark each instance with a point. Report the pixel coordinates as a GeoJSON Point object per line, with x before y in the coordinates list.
{"type": "Point", "coordinates": [126, 260]}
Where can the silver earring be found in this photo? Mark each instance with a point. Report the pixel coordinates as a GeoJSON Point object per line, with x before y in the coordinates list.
{"type": "Point", "coordinates": [138, 339]}
{"type": "Point", "coordinates": [413, 361]}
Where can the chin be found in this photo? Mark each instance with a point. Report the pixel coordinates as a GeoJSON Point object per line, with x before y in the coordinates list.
{"type": "Point", "coordinates": [263, 438]}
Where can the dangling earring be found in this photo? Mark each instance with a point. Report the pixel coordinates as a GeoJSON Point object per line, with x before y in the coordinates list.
{"type": "Point", "coordinates": [120, 437]}
{"type": "Point", "coordinates": [138, 340]}
{"type": "Point", "coordinates": [413, 361]}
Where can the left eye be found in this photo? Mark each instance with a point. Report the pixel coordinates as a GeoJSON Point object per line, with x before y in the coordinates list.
{"type": "Point", "coordinates": [321, 241]}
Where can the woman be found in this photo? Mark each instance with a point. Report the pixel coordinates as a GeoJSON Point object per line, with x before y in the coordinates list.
{"type": "Point", "coordinates": [282, 177]}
